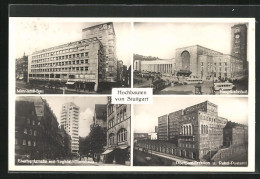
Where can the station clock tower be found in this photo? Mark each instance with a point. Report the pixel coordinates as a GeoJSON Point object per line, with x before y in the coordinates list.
{"type": "Point", "coordinates": [239, 43]}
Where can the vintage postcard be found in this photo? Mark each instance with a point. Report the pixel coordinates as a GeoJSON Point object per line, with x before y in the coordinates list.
{"type": "Point", "coordinates": [131, 94]}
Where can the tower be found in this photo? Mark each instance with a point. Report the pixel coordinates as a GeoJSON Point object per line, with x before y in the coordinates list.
{"type": "Point", "coordinates": [70, 123]}
{"type": "Point", "coordinates": [106, 34]}
{"type": "Point", "coordinates": [239, 43]}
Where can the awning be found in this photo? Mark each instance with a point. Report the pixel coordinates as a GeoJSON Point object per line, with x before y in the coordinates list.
{"type": "Point", "coordinates": [107, 151]}
{"type": "Point", "coordinates": [123, 146]}
{"type": "Point", "coordinates": [70, 83]}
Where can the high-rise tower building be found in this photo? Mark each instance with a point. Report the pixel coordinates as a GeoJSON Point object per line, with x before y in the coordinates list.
{"type": "Point", "coordinates": [239, 42]}
{"type": "Point", "coordinates": [70, 122]}
{"type": "Point", "coordinates": [106, 34]}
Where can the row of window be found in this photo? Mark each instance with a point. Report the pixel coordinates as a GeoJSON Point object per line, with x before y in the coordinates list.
{"type": "Point", "coordinates": [187, 145]}
{"type": "Point", "coordinates": [121, 136]}
{"type": "Point", "coordinates": [187, 129]}
{"type": "Point", "coordinates": [30, 132]}
{"type": "Point", "coordinates": [215, 64]}
{"type": "Point", "coordinates": [32, 122]}
{"type": "Point", "coordinates": [121, 116]}
{"type": "Point", "coordinates": [25, 142]}
{"type": "Point", "coordinates": [172, 151]}
{"type": "Point", "coordinates": [60, 52]}
{"type": "Point", "coordinates": [74, 62]}
{"type": "Point", "coordinates": [61, 69]}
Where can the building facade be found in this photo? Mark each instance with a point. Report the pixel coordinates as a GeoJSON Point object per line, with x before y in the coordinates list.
{"type": "Point", "coordinates": [105, 33]}
{"type": "Point", "coordinates": [37, 134]}
{"type": "Point", "coordinates": [70, 123]}
{"type": "Point", "coordinates": [21, 68]}
{"type": "Point", "coordinates": [77, 64]}
{"type": "Point", "coordinates": [100, 116]}
{"type": "Point", "coordinates": [83, 64]}
{"type": "Point", "coordinates": [118, 133]}
{"type": "Point", "coordinates": [194, 133]}
{"type": "Point", "coordinates": [163, 127]}
{"type": "Point", "coordinates": [162, 66]}
{"type": "Point", "coordinates": [141, 136]}
{"type": "Point", "coordinates": [203, 62]}
{"type": "Point", "coordinates": [235, 134]}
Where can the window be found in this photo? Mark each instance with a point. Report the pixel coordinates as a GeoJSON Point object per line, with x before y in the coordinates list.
{"type": "Point", "coordinates": [16, 141]}
{"type": "Point", "coordinates": [28, 121]}
{"type": "Point", "coordinates": [122, 135]}
{"type": "Point", "coordinates": [30, 132]}
{"type": "Point", "coordinates": [124, 113]}
{"type": "Point", "coordinates": [35, 133]}
{"type": "Point", "coordinates": [111, 139]}
{"type": "Point", "coordinates": [118, 118]}
{"type": "Point", "coordinates": [25, 131]}
{"type": "Point", "coordinates": [24, 142]}
{"type": "Point", "coordinates": [86, 68]}
{"type": "Point", "coordinates": [29, 143]}
{"type": "Point", "coordinates": [121, 116]}
{"type": "Point", "coordinates": [33, 123]}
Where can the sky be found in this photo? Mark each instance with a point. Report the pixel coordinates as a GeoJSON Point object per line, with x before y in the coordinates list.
{"type": "Point", "coordinates": [161, 39]}
{"type": "Point", "coordinates": [32, 34]}
{"type": "Point", "coordinates": [235, 109]}
{"type": "Point", "coordinates": [86, 104]}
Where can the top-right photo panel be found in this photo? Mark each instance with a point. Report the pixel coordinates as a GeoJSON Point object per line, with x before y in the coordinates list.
{"type": "Point", "coordinates": [191, 58]}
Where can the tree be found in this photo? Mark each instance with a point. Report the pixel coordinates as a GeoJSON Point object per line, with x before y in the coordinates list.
{"type": "Point", "coordinates": [84, 145]}
{"type": "Point", "coordinates": [97, 140]}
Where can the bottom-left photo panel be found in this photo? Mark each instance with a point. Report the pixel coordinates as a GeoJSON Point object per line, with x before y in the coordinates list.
{"type": "Point", "coordinates": [71, 130]}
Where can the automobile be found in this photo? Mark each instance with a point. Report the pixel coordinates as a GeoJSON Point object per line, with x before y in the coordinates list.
{"type": "Point", "coordinates": [224, 86]}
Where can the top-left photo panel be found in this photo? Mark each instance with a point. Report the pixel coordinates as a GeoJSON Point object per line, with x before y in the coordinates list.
{"type": "Point", "coordinates": [69, 55]}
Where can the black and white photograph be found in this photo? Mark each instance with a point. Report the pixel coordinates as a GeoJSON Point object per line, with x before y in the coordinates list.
{"type": "Point", "coordinates": [191, 58]}
{"type": "Point", "coordinates": [66, 56]}
{"type": "Point", "coordinates": [74, 131]}
{"type": "Point", "coordinates": [192, 131]}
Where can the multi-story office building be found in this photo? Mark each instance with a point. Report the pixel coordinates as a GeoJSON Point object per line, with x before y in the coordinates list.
{"type": "Point", "coordinates": [21, 68]}
{"type": "Point", "coordinates": [37, 132]}
{"type": "Point", "coordinates": [77, 64]}
{"type": "Point", "coordinates": [193, 133]}
{"type": "Point", "coordinates": [173, 123]}
{"type": "Point", "coordinates": [83, 64]}
{"type": "Point", "coordinates": [105, 33]}
{"type": "Point", "coordinates": [100, 116]}
{"type": "Point", "coordinates": [163, 127]}
{"type": "Point", "coordinates": [70, 123]}
{"type": "Point", "coordinates": [118, 133]}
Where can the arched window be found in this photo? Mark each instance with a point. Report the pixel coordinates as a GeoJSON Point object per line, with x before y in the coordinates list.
{"type": "Point", "coordinates": [185, 57]}
{"type": "Point", "coordinates": [111, 138]}
{"type": "Point", "coordinates": [189, 130]}
{"type": "Point", "coordinates": [122, 135]}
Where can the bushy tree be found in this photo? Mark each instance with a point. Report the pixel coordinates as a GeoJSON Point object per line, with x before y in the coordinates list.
{"type": "Point", "coordinates": [97, 138]}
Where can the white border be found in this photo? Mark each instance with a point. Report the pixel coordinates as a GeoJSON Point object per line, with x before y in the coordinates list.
{"type": "Point", "coordinates": [251, 100]}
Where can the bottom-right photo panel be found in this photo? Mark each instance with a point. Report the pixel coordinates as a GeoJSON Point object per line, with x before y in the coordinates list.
{"type": "Point", "coordinates": [191, 131]}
